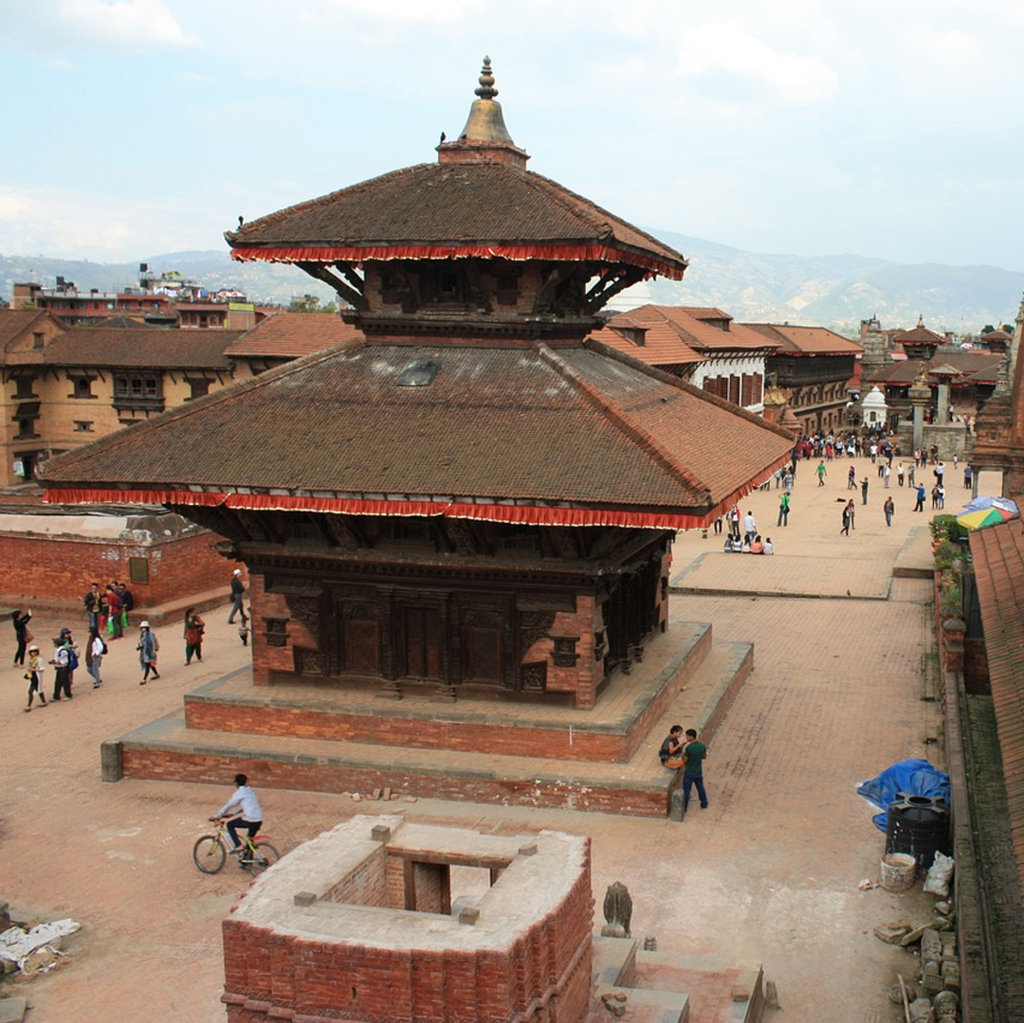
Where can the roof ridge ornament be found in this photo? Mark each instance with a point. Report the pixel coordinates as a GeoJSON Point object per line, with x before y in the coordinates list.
{"type": "Point", "coordinates": [486, 89]}
{"type": "Point", "coordinates": [485, 139]}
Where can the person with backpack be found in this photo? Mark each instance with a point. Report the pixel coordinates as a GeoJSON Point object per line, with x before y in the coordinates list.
{"type": "Point", "coordinates": [147, 647]}
{"type": "Point", "coordinates": [94, 652]}
{"type": "Point", "coordinates": [64, 661]}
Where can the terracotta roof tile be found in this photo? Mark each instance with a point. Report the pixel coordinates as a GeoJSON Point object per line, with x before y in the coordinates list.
{"type": "Point", "coordinates": [696, 328]}
{"type": "Point", "coordinates": [806, 340]}
{"type": "Point", "coordinates": [292, 335]}
{"type": "Point", "coordinates": [579, 424]}
{"type": "Point", "coordinates": [14, 323]}
{"type": "Point", "coordinates": [448, 204]}
{"type": "Point", "coordinates": [998, 554]}
{"type": "Point", "coordinates": [137, 348]}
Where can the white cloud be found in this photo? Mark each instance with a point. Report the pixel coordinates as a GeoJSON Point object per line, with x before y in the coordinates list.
{"type": "Point", "coordinates": [98, 24]}
{"type": "Point", "coordinates": [730, 48]}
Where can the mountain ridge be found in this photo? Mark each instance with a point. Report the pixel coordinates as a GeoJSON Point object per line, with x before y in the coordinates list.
{"type": "Point", "coordinates": [835, 291]}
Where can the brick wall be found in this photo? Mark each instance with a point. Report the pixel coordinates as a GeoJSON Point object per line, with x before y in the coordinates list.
{"type": "Point", "coordinates": [56, 571]}
{"type": "Point", "coordinates": [366, 885]}
{"type": "Point", "coordinates": [543, 975]}
{"type": "Point", "coordinates": [163, 765]}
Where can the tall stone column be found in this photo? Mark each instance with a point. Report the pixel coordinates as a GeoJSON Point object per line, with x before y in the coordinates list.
{"type": "Point", "coordinates": [920, 395]}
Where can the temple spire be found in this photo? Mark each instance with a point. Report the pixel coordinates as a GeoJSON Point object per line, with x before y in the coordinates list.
{"type": "Point", "coordinates": [484, 139]}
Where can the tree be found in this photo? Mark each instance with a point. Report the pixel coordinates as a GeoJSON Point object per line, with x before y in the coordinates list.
{"type": "Point", "coordinates": [309, 304]}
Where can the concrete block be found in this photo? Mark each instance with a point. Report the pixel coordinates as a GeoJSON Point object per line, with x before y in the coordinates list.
{"type": "Point", "coordinates": [111, 760]}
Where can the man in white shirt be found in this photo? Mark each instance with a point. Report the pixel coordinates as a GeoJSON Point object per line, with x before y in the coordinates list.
{"type": "Point", "coordinates": [242, 799]}
{"type": "Point", "coordinates": [749, 527]}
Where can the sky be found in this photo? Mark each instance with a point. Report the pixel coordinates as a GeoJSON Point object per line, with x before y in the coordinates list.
{"type": "Point", "coordinates": [134, 128]}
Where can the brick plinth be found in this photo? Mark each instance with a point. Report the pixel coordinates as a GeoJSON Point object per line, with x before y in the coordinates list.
{"type": "Point", "coordinates": [505, 729]}
{"type": "Point", "coordinates": [305, 774]}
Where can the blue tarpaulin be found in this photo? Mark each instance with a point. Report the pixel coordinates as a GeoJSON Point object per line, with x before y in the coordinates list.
{"type": "Point", "coordinates": [915, 777]}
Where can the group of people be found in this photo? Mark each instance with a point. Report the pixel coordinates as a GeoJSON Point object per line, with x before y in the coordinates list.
{"type": "Point", "coordinates": [107, 611]}
{"type": "Point", "coordinates": [108, 608]}
{"type": "Point", "coordinates": [686, 752]}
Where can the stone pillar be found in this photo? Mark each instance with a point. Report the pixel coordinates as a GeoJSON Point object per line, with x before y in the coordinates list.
{"type": "Point", "coordinates": [943, 400]}
{"type": "Point", "coordinates": [920, 394]}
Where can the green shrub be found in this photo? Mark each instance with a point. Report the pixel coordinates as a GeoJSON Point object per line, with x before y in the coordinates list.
{"type": "Point", "coordinates": [943, 526]}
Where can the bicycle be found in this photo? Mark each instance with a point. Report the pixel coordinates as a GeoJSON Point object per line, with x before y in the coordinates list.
{"type": "Point", "coordinates": [210, 852]}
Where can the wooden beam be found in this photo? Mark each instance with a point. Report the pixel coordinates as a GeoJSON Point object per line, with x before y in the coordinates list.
{"type": "Point", "coordinates": [352, 292]}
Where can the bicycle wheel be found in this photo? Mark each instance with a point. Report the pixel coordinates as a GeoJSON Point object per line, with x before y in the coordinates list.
{"type": "Point", "coordinates": [209, 854]}
{"type": "Point", "coordinates": [265, 855]}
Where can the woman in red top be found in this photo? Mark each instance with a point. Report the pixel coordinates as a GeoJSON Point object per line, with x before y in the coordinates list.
{"type": "Point", "coordinates": [194, 629]}
{"type": "Point", "coordinates": [115, 628]}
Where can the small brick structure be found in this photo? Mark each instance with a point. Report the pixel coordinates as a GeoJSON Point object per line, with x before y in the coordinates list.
{"type": "Point", "coordinates": [159, 554]}
{"type": "Point", "coordinates": [365, 923]}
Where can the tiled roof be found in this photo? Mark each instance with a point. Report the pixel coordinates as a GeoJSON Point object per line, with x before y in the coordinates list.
{"type": "Point", "coordinates": [440, 205]}
{"type": "Point", "coordinates": [136, 348]}
{"type": "Point", "coordinates": [806, 340]}
{"type": "Point", "coordinates": [919, 335]}
{"type": "Point", "coordinates": [662, 345]}
{"type": "Point", "coordinates": [695, 328]}
{"type": "Point", "coordinates": [970, 363]}
{"type": "Point", "coordinates": [998, 554]}
{"type": "Point", "coordinates": [292, 335]}
{"type": "Point", "coordinates": [14, 323]}
{"type": "Point", "coordinates": [580, 424]}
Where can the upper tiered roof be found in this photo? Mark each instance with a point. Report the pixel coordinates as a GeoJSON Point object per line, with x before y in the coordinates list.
{"type": "Point", "coordinates": [478, 200]}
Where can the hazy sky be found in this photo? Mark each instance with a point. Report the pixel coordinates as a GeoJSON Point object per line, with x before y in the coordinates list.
{"type": "Point", "coordinates": [812, 127]}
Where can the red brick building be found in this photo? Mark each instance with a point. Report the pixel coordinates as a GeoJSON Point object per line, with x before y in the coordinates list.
{"type": "Point", "coordinates": [469, 494]}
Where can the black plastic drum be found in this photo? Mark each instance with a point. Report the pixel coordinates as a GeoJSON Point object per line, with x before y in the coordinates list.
{"type": "Point", "coordinates": [919, 826]}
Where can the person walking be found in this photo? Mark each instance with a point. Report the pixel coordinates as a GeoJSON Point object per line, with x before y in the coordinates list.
{"type": "Point", "coordinates": [115, 624]}
{"type": "Point", "coordinates": [864, 490]}
{"type": "Point", "coordinates": [20, 619]}
{"type": "Point", "coordinates": [822, 473]}
{"type": "Point", "coordinates": [237, 594]}
{"type": "Point", "coordinates": [919, 507]}
{"type": "Point", "coordinates": [886, 473]}
{"type": "Point", "coordinates": [783, 510]}
{"type": "Point", "coordinates": [147, 647]}
{"type": "Point", "coordinates": [194, 629]}
{"type": "Point", "coordinates": [242, 801]}
{"type": "Point", "coordinates": [888, 508]}
{"type": "Point", "coordinates": [94, 651]}
{"type": "Point", "coordinates": [61, 662]}
{"type": "Point", "coordinates": [847, 518]}
{"type": "Point", "coordinates": [900, 474]}
{"type": "Point", "coordinates": [851, 479]}
{"type": "Point", "coordinates": [34, 675]}
{"type": "Point", "coordinates": [694, 754]}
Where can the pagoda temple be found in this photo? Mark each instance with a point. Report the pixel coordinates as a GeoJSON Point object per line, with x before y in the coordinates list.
{"type": "Point", "coordinates": [469, 495]}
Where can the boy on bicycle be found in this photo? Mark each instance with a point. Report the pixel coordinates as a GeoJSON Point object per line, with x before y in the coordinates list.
{"type": "Point", "coordinates": [242, 799]}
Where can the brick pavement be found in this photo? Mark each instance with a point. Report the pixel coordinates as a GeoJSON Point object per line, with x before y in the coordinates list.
{"type": "Point", "coordinates": [768, 873]}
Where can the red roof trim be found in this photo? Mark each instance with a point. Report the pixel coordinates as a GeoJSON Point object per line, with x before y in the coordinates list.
{"type": "Point", "coordinates": [360, 254]}
{"type": "Point", "coordinates": [525, 514]}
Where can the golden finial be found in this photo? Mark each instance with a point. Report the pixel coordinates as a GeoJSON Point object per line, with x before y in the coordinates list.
{"type": "Point", "coordinates": [486, 90]}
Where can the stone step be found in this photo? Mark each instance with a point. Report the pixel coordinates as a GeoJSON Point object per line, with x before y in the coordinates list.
{"type": "Point", "coordinates": [169, 749]}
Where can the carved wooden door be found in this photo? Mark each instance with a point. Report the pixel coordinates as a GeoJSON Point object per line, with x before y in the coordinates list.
{"type": "Point", "coordinates": [423, 639]}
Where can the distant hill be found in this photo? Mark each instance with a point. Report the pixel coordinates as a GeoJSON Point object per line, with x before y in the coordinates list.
{"type": "Point", "coordinates": [831, 291]}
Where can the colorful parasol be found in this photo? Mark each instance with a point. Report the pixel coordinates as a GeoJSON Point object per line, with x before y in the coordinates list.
{"type": "Point", "coordinates": [986, 511]}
